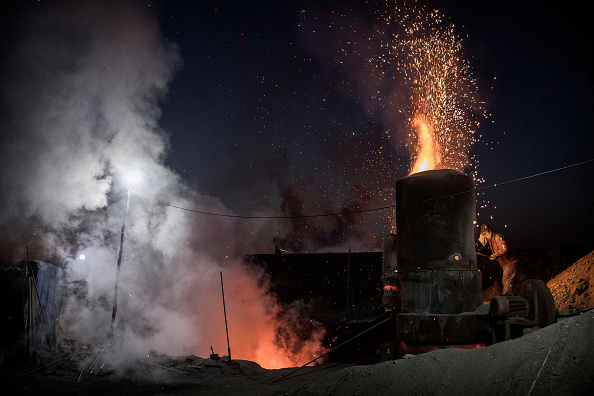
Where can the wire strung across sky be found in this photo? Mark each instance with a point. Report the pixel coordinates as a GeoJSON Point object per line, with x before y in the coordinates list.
{"type": "Point", "coordinates": [343, 213]}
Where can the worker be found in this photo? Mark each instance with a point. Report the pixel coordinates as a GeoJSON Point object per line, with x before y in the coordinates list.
{"type": "Point", "coordinates": [503, 253]}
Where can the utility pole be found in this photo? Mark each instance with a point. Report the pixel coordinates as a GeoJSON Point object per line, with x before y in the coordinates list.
{"type": "Point", "coordinates": [115, 293]}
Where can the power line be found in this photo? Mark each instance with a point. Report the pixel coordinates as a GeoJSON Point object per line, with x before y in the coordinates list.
{"type": "Point", "coordinates": [343, 213]}
{"type": "Point", "coordinates": [537, 174]}
{"type": "Point", "coordinates": [267, 217]}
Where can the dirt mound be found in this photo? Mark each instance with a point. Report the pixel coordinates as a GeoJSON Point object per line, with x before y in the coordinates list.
{"type": "Point", "coordinates": [558, 359]}
{"type": "Point", "coordinates": [574, 287]}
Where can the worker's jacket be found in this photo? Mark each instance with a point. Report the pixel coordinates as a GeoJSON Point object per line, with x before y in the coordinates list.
{"type": "Point", "coordinates": [501, 250]}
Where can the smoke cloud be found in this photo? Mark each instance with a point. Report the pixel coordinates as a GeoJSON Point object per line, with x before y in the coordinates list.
{"type": "Point", "coordinates": [324, 138]}
{"type": "Point", "coordinates": [81, 84]}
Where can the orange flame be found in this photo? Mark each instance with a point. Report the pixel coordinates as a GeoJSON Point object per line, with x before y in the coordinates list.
{"type": "Point", "coordinates": [428, 150]}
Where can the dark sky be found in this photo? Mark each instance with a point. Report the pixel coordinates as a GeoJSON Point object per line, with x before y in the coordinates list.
{"type": "Point", "coordinates": [263, 114]}
{"type": "Point", "coordinates": [252, 86]}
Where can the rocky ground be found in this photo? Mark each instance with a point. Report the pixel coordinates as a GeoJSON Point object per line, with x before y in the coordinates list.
{"type": "Point", "coordinates": [558, 359]}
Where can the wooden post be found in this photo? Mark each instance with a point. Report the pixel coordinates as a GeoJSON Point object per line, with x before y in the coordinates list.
{"type": "Point", "coordinates": [115, 292]}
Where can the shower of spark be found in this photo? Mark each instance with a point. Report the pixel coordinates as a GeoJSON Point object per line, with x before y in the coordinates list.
{"type": "Point", "coordinates": [405, 66]}
{"type": "Point", "coordinates": [442, 102]}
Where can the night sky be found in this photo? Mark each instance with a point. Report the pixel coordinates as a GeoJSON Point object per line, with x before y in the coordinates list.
{"type": "Point", "coordinates": [254, 95]}
{"type": "Point", "coordinates": [265, 113]}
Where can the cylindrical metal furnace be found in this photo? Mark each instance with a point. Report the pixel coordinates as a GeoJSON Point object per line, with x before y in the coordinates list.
{"type": "Point", "coordinates": [435, 211]}
{"type": "Point", "coordinates": [437, 270]}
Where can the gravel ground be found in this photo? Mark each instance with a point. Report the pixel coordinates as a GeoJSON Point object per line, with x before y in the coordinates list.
{"type": "Point", "coordinates": [558, 359]}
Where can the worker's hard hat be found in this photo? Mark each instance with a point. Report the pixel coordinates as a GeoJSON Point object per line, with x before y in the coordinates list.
{"type": "Point", "coordinates": [485, 228]}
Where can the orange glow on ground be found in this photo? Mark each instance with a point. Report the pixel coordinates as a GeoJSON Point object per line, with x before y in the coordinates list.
{"type": "Point", "coordinates": [259, 329]}
{"type": "Point", "coordinates": [424, 348]}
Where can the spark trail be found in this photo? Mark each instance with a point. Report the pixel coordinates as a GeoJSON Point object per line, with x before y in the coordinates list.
{"type": "Point", "coordinates": [425, 53]}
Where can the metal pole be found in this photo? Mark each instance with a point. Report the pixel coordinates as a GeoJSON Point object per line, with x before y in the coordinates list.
{"type": "Point", "coordinates": [54, 364]}
{"type": "Point", "coordinates": [115, 293]}
{"type": "Point", "coordinates": [348, 284]}
{"type": "Point", "coordinates": [163, 367]}
{"type": "Point", "coordinates": [31, 311]}
{"type": "Point", "coordinates": [225, 312]}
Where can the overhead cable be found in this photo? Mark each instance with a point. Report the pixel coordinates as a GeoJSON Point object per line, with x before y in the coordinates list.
{"type": "Point", "coordinates": [348, 212]}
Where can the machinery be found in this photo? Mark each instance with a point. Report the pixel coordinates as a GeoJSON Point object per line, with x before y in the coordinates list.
{"type": "Point", "coordinates": [511, 315]}
{"type": "Point", "coordinates": [430, 276]}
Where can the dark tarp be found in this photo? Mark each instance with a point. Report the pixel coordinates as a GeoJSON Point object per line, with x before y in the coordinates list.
{"type": "Point", "coordinates": [14, 292]}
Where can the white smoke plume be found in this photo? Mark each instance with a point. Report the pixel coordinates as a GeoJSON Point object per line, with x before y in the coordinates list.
{"type": "Point", "coordinates": [81, 85]}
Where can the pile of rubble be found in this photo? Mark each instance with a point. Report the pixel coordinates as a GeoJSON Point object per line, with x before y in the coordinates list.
{"type": "Point", "coordinates": [567, 272]}
{"type": "Point", "coordinates": [573, 288]}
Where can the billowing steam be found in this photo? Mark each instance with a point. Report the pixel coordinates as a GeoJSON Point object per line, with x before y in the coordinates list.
{"type": "Point", "coordinates": [80, 93]}
{"type": "Point", "coordinates": [80, 89]}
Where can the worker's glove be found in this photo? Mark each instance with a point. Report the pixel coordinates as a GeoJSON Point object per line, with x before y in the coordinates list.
{"type": "Point", "coordinates": [492, 257]}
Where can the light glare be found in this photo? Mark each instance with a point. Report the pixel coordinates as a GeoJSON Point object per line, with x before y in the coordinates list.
{"type": "Point", "coordinates": [132, 178]}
